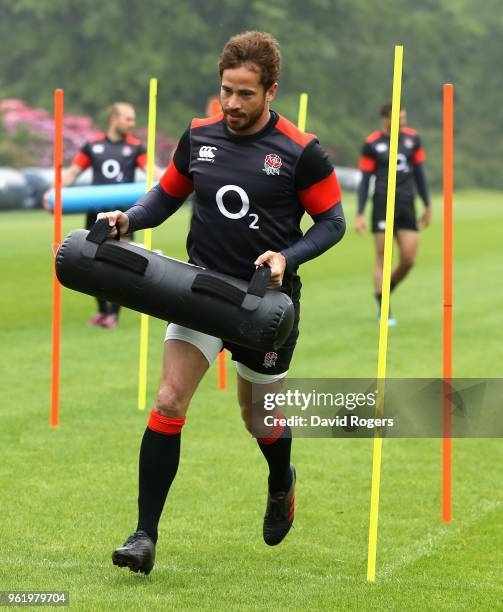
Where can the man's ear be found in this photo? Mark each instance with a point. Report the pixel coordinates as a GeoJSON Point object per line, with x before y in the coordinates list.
{"type": "Point", "coordinates": [271, 92]}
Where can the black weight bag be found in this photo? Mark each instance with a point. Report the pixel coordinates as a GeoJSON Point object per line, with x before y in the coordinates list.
{"type": "Point", "coordinates": [217, 304]}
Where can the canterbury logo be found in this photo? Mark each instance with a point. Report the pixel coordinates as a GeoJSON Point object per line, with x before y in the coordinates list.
{"type": "Point", "coordinates": [206, 153]}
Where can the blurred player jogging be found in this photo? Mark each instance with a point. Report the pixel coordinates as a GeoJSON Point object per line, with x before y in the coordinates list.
{"type": "Point", "coordinates": [374, 160]}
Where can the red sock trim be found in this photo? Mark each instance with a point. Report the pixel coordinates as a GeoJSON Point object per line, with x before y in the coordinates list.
{"type": "Point", "coordinates": [275, 432]}
{"type": "Point", "coordinates": [165, 425]}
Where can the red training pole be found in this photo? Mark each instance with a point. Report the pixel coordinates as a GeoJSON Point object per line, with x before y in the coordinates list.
{"type": "Point", "coordinates": [222, 370]}
{"type": "Point", "coordinates": [448, 186]}
{"type": "Point", "coordinates": [56, 287]}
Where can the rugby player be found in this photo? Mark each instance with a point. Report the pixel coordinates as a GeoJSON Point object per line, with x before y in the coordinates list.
{"type": "Point", "coordinates": [254, 175]}
{"type": "Point", "coordinates": [113, 157]}
{"type": "Point", "coordinates": [374, 160]}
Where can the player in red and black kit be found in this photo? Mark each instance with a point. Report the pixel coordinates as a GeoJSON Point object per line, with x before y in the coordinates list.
{"type": "Point", "coordinates": [254, 175]}
{"type": "Point", "coordinates": [113, 157]}
{"type": "Point", "coordinates": [374, 160]}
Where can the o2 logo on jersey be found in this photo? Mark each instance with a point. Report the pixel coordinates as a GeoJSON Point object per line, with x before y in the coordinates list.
{"type": "Point", "coordinates": [245, 205]}
{"type": "Point", "coordinates": [111, 169]}
{"type": "Point", "coordinates": [272, 163]}
{"type": "Point", "coordinates": [401, 163]}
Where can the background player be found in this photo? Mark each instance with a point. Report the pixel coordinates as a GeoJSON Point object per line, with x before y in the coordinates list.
{"type": "Point", "coordinates": [254, 175]}
{"type": "Point", "coordinates": [410, 169]}
{"type": "Point", "coordinates": [113, 157]}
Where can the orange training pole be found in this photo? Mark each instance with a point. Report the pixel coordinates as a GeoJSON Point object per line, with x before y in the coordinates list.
{"type": "Point", "coordinates": [448, 172]}
{"type": "Point", "coordinates": [222, 370]}
{"type": "Point", "coordinates": [56, 287]}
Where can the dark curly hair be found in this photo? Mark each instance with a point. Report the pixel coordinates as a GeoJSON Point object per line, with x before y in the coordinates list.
{"type": "Point", "coordinates": [259, 48]}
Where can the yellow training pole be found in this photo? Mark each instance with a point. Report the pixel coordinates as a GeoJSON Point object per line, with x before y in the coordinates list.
{"type": "Point", "coordinates": [147, 239]}
{"type": "Point", "coordinates": [383, 327]}
{"type": "Point", "coordinates": [301, 121]}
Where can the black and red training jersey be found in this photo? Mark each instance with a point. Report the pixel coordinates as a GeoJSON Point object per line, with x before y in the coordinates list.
{"type": "Point", "coordinates": [112, 162]}
{"type": "Point", "coordinates": [250, 192]}
{"type": "Point", "coordinates": [375, 160]}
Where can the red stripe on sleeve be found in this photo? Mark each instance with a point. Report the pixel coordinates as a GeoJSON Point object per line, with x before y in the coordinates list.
{"type": "Point", "coordinates": [321, 196]}
{"type": "Point", "coordinates": [141, 161]}
{"type": "Point", "coordinates": [82, 160]}
{"type": "Point", "coordinates": [176, 184]}
{"type": "Point", "coordinates": [367, 164]}
{"type": "Point", "coordinates": [419, 156]}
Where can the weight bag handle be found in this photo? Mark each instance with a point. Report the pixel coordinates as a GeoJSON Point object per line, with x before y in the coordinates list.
{"type": "Point", "coordinates": [100, 230]}
{"type": "Point", "coordinates": [204, 283]}
{"type": "Point", "coordinates": [249, 300]}
{"type": "Point", "coordinates": [259, 280]}
{"type": "Point", "coordinates": [111, 253]}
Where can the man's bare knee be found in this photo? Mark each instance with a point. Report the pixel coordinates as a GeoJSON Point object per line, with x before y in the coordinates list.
{"type": "Point", "coordinates": [407, 262]}
{"type": "Point", "coordinates": [171, 403]}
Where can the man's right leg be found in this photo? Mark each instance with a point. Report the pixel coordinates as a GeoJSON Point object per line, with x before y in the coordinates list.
{"type": "Point", "coordinates": [183, 367]}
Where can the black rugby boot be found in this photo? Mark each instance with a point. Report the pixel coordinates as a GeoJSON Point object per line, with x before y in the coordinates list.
{"type": "Point", "coordinates": [137, 553]}
{"type": "Point", "coordinates": [280, 513]}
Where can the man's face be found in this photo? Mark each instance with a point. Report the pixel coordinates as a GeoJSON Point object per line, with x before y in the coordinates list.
{"type": "Point", "coordinates": [125, 121]}
{"type": "Point", "coordinates": [244, 99]}
{"type": "Point", "coordinates": [386, 121]}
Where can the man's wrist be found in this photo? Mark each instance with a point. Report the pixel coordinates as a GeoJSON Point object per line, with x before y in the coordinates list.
{"type": "Point", "coordinates": [286, 258]}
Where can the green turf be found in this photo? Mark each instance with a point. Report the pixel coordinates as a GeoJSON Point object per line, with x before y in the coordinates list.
{"type": "Point", "coordinates": [68, 496]}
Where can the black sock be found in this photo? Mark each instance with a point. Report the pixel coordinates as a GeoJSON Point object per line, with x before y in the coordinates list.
{"type": "Point", "coordinates": [159, 458]}
{"type": "Point", "coordinates": [392, 284]}
{"type": "Point", "coordinates": [114, 308]}
{"type": "Point", "coordinates": [378, 297]}
{"type": "Point", "coordinates": [277, 456]}
{"type": "Point", "coordinates": [102, 307]}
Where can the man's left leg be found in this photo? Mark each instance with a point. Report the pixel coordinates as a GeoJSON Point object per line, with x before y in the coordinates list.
{"type": "Point", "coordinates": [275, 443]}
{"type": "Point", "coordinates": [408, 241]}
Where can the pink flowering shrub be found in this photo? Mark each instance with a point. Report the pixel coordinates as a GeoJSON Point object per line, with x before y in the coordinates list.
{"type": "Point", "coordinates": [26, 136]}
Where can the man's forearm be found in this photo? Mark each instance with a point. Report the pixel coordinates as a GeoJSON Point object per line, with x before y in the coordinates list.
{"type": "Point", "coordinates": [152, 209]}
{"type": "Point", "coordinates": [363, 192]}
{"type": "Point", "coordinates": [70, 175]}
{"type": "Point", "coordinates": [328, 229]}
{"type": "Point", "coordinates": [422, 184]}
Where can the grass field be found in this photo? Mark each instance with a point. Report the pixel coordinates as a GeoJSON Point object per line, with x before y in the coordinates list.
{"type": "Point", "coordinates": [68, 496]}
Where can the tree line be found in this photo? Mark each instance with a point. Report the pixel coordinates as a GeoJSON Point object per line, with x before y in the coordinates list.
{"type": "Point", "coordinates": [339, 51]}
